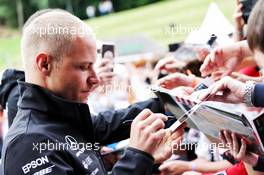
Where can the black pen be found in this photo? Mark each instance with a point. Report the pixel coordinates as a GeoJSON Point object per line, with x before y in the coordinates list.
{"type": "Point", "coordinates": [128, 122]}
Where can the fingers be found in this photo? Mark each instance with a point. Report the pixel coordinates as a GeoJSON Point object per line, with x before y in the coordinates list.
{"type": "Point", "coordinates": [212, 62]}
{"type": "Point", "coordinates": [242, 151]}
{"type": "Point", "coordinates": [235, 75]}
{"type": "Point", "coordinates": [105, 68]}
{"type": "Point", "coordinates": [161, 64]}
{"type": "Point", "coordinates": [106, 61]}
{"type": "Point", "coordinates": [179, 132]}
{"type": "Point", "coordinates": [205, 66]}
{"type": "Point", "coordinates": [186, 90]}
{"type": "Point", "coordinates": [217, 75]}
{"type": "Point", "coordinates": [166, 166]}
{"type": "Point", "coordinates": [153, 124]}
{"type": "Point", "coordinates": [103, 62]}
{"type": "Point", "coordinates": [219, 85]}
{"type": "Point", "coordinates": [227, 73]}
{"type": "Point", "coordinates": [228, 138]}
{"type": "Point", "coordinates": [154, 117]}
{"type": "Point", "coordinates": [172, 67]}
{"type": "Point", "coordinates": [202, 53]}
{"type": "Point", "coordinates": [235, 143]}
{"type": "Point", "coordinates": [158, 135]}
{"type": "Point", "coordinates": [143, 115]}
{"type": "Point", "coordinates": [222, 137]}
{"type": "Point", "coordinates": [165, 81]}
{"type": "Point", "coordinates": [174, 80]}
{"type": "Point", "coordinates": [107, 75]}
{"type": "Point", "coordinates": [169, 81]}
{"type": "Point", "coordinates": [163, 167]}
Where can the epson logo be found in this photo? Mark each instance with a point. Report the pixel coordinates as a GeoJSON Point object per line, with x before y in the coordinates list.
{"type": "Point", "coordinates": [34, 164]}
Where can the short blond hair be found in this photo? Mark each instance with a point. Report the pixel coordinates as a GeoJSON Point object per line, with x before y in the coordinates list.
{"type": "Point", "coordinates": [52, 32]}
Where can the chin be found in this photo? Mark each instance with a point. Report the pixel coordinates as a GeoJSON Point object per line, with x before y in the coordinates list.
{"type": "Point", "coordinates": [84, 99]}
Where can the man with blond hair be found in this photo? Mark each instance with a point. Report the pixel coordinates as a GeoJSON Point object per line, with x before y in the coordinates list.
{"type": "Point", "coordinates": [53, 131]}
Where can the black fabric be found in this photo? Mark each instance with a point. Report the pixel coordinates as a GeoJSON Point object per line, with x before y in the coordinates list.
{"type": "Point", "coordinates": [44, 118]}
{"type": "Point", "coordinates": [260, 165]}
{"type": "Point", "coordinates": [9, 92]}
{"type": "Point", "coordinates": [108, 125]}
{"type": "Point", "coordinates": [144, 165]}
{"type": "Point", "coordinates": [258, 95]}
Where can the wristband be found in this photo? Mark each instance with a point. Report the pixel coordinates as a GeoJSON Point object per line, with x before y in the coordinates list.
{"type": "Point", "coordinates": [194, 166]}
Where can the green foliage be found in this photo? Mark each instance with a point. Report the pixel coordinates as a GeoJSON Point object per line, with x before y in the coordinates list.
{"type": "Point", "coordinates": [8, 14]}
{"type": "Point", "coordinates": [148, 20]}
{"type": "Point", "coordinates": [120, 5]}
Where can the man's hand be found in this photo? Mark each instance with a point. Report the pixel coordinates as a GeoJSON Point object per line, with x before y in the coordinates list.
{"type": "Point", "coordinates": [178, 79]}
{"type": "Point", "coordinates": [239, 22]}
{"type": "Point", "coordinates": [169, 64]}
{"type": "Point", "coordinates": [168, 144]}
{"type": "Point", "coordinates": [104, 70]}
{"type": "Point", "coordinates": [175, 167]}
{"type": "Point", "coordinates": [238, 152]}
{"type": "Point", "coordinates": [227, 57]}
{"type": "Point", "coordinates": [232, 91]}
{"type": "Point", "coordinates": [148, 135]}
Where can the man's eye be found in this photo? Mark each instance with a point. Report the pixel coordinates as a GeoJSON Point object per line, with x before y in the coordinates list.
{"type": "Point", "coordinates": [83, 68]}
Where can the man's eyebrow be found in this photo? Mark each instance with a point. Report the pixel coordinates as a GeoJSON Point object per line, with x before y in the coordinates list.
{"type": "Point", "coordinates": [86, 62]}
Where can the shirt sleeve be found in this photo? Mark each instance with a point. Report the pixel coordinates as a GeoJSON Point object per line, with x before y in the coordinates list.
{"type": "Point", "coordinates": [134, 162]}
{"type": "Point", "coordinates": [260, 164]}
{"type": "Point", "coordinates": [108, 125]}
{"type": "Point", "coordinates": [258, 95]}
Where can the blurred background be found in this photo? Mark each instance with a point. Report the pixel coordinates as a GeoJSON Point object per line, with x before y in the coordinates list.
{"type": "Point", "coordinates": [135, 26]}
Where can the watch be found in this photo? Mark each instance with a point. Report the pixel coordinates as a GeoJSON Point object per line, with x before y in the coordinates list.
{"type": "Point", "coordinates": [248, 91]}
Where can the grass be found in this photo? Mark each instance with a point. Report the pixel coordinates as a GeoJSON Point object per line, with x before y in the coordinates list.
{"type": "Point", "coordinates": [151, 20]}
{"type": "Point", "coordinates": [10, 52]}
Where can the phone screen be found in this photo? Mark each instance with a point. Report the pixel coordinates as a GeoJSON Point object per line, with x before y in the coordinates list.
{"type": "Point", "coordinates": [108, 51]}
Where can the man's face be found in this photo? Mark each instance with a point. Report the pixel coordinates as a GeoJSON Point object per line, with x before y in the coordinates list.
{"type": "Point", "coordinates": [259, 58]}
{"type": "Point", "coordinates": [74, 78]}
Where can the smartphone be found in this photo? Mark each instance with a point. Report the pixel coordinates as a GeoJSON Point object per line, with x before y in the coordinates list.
{"type": "Point", "coordinates": [108, 51]}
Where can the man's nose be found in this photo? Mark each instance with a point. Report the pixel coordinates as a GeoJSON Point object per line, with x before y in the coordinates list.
{"type": "Point", "coordinates": [94, 79]}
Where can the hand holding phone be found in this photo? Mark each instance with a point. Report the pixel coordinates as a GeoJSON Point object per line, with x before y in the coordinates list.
{"type": "Point", "coordinates": [108, 51]}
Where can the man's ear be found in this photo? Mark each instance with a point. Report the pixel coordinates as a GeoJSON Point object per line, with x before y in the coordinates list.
{"type": "Point", "coordinates": [43, 61]}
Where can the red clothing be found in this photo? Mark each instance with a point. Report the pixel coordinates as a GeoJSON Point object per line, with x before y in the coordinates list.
{"type": "Point", "coordinates": [250, 71]}
{"type": "Point", "coordinates": [237, 169]}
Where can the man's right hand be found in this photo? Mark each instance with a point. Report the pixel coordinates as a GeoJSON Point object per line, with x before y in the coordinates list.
{"type": "Point", "coordinates": [146, 130]}
{"type": "Point", "coordinates": [148, 135]}
{"type": "Point", "coordinates": [232, 91]}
